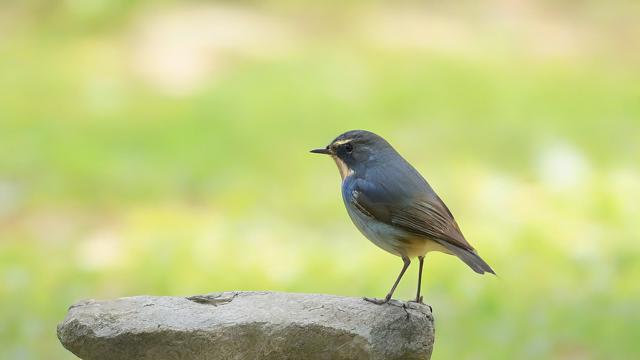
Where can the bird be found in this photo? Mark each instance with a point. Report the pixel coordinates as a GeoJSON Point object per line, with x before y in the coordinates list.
{"type": "Point", "coordinates": [394, 206]}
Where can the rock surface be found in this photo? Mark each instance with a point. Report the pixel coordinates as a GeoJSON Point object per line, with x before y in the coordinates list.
{"type": "Point", "coordinates": [247, 325]}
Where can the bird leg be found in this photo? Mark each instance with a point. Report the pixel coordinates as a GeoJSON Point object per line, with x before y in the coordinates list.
{"type": "Point", "coordinates": [418, 297]}
{"type": "Point", "coordinates": [388, 297]}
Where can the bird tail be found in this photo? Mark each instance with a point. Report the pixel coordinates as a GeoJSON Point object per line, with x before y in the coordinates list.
{"type": "Point", "coordinates": [470, 257]}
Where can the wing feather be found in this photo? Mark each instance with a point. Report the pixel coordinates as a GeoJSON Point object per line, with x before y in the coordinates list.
{"type": "Point", "coordinates": [430, 218]}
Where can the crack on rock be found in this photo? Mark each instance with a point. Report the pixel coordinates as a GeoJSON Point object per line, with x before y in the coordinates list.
{"type": "Point", "coordinates": [214, 299]}
{"type": "Point", "coordinates": [404, 307]}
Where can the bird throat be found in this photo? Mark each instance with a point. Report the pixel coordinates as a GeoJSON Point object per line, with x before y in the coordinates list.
{"type": "Point", "coordinates": [342, 167]}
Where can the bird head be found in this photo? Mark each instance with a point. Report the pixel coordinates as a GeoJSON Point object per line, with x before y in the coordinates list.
{"type": "Point", "coordinates": [354, 149]}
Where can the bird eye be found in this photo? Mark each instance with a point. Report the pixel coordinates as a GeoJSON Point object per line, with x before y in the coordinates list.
{"type": "Point", "coordinates": [348, 147]}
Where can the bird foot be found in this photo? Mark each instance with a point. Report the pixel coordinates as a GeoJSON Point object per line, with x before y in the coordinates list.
{"type": "Point", "coordinates": [376, 300]}
{"type": "Point", "coordinates": [419, 301]}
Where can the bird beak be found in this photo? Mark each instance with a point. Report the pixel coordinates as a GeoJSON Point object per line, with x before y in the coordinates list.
{"type": "Point", "coordinates": [322, 151]}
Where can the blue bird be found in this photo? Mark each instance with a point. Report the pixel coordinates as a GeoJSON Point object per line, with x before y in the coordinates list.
{"type": "Point", "coordinates": [394, 206]}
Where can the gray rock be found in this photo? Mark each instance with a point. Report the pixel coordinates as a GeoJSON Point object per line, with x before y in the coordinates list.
{"type": "Point", "coordinates": [247, 325]}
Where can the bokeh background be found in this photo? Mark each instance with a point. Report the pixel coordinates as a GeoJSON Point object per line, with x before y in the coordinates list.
{"type": "Point", "coordinates": [161, 147]}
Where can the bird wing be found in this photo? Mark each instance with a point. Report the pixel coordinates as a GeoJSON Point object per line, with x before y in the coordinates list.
{"type": "Point", "coordinates": [433, 219]}
{"type": "Point", "coordinates": [424, 215]}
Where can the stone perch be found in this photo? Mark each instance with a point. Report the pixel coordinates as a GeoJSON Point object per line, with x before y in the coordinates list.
{"type": "Point", "coordinates": [247, 325]}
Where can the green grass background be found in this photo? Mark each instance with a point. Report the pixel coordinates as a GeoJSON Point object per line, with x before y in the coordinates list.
{"type": "Point", "coordinates": [111, 186]}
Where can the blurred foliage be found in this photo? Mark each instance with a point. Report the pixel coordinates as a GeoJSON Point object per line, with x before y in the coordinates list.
{"type": "Point", "coordinates": [120, 177]}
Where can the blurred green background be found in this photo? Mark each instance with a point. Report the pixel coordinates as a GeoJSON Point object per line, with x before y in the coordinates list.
{"type": "Point", "coordinates": [161, 147]}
